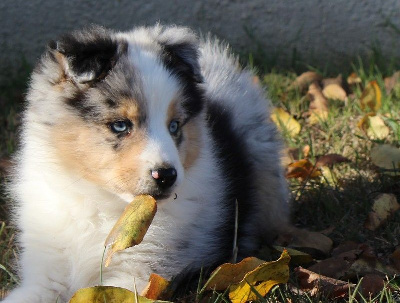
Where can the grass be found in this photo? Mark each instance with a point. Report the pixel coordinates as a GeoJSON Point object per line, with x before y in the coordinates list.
{"type": "Point", "coordinates": [340, 206]}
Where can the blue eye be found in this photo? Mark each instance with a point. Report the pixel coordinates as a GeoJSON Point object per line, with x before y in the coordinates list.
{"type": "Point", "coordinates": [120, 126]}
{"type": "Point", "coordinates": [174, 127]}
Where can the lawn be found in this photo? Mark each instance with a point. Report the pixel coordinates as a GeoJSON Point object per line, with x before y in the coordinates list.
{"type": "Point", "coordinates": [331, 195]}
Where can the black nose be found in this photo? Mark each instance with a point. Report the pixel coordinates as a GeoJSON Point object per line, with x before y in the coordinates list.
{"type": "Point", "coordinates": [164, 177]}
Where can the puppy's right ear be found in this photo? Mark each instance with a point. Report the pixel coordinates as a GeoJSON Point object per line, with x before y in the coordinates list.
{"type": "Point", "coordinates": [88, 55]}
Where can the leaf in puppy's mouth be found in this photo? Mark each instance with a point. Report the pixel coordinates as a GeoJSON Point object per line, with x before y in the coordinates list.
{"type": "Point", "coordinates": [131, 226]}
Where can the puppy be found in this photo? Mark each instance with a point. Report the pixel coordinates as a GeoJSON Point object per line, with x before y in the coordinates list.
{"type": "Point", "coordinates": [153, 111]}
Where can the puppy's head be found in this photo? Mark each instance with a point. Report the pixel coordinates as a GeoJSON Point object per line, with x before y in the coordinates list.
{"type": "Point", "coordinates": [123, 109]}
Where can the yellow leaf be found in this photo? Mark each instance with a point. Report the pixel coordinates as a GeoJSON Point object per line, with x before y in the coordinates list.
{"type": "Point", "coordinates": [261, 279]}
{"type": "Point", "coordinates": [387, 157]}
{"type": "Point", "coordinates": [285, 122]}
{"type": "Point", "coordinates": [132, 225]}
{"type": "Point", "coordinates": [371, 97]}
{"type": "Point", "coordinates": [110, 294]}
{"type": "Point", "coordinates": [156, 288]}
{"type": "Point", "coordinates": [384, 206]}
{"type": "Point", "coordinates": [328, 174]}
{"type": "Point", "coordinates": [373, 126]}
{"type": "Point", "coordinates": [228, 273]}
{"type": "Point", "coordinates": [302, 169]}
{"type": "Point", "coordinates": [335, 92]}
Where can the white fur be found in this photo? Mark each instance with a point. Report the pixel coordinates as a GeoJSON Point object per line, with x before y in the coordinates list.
{"type": "Point", "coordinates": [64, 219]}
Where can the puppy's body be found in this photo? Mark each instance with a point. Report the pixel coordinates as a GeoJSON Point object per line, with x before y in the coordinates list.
{"type": "Point", "coordinates": [100, 128]}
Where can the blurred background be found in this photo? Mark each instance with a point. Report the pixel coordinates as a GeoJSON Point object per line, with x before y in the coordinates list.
{"type": "Point", "coordinates": [292, 34]}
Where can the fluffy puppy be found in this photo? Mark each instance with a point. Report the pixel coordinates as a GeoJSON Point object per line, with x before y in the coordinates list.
{"type": "Point", "coordinates": [151, 111]}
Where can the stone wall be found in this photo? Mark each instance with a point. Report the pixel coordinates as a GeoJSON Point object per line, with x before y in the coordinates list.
{"type": "Point", "coordinates": [316, 32]}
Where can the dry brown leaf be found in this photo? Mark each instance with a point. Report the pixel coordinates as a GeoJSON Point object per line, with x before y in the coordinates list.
{"type": "Point", "coordinates": [310, 242]}
{"type": "Point", "coordinates": [345, 247]}
{"type": "Point", "coordinates": [156, 288]}
{"type": "Point", "coordinates": [372, 284]}
{"type": "Point", "coordinates": [386, 157]}
{"type": "Point", "coordinates": [285, 122]}
{"type": "Point", "coordinates": [318, 109]}
{"type": "Point", "coordinates": [131, 226]}
{"type": "Point", "coordinates": [302, 169]}
{"type": "Point", "coordinates": [353, 79]}
{"type": "Point", "coordinates": [330, 160]}
{"type": "Point", "coordinates": [327, 81]}
{"type": "Point", "coordinates": [395, 259]}
{"type": "Point", "coordinates": [316, 284]}
{"type": "Point", "coordinates": [303, 81]}
{"type": "Point", "coordinates": [384, 206]}
{"type": "Point", "coordinates": [335, 267]}
{"type": "Point", "coordinates": [390, 82]}
{"type": "Point", "coordinates": [101, 294]}
{"type": "Point", "coordinates": [262, 279]}
{"type": "Point", "coordinates": [371, 97]}
{"type": "Point", "coordinates": [306, 151]}
{"type": "Point", "coordinates": [228, 273]}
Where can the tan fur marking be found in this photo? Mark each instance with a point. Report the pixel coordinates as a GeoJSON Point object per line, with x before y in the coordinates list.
{"type": "Point", "coordinates": [82, 147]}
{"type": "Point", "coordinates": [192, 142]}
{"type": "Point", "coordinates": [129, 109]}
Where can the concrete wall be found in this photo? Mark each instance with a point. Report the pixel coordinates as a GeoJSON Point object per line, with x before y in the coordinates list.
{"type": "Point", "coordinates": [321, 31]}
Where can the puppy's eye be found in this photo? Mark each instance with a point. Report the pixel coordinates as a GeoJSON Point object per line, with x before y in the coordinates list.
{"type": "Point", "coordinates": [174, 127]}
{"type": "Point", "coordinates": [120, 126]}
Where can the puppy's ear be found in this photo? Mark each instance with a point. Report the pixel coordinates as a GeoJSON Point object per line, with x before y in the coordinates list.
{"type": "Point", "coordinates": [180, 48]}
{"type": "Point", "coordinates": [87, 55]}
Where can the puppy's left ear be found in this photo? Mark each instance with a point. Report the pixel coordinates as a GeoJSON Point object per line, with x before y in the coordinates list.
{"type": "Point", "coordinates": [180, 47]}
{"type": "Point", "coordinates": [88, 55]}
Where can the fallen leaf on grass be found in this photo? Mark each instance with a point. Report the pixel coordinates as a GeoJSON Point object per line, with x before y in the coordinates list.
{"type": "Point", "coordinates": [384, 206]}
{"type": "Point", "coordinates": [335, 267]}
{"type": "Point", "coordinates": [318, 110]}
{"type": "Point", "coordinates": [330, 160]}
{"type": "Point", "coordinates": [353, 79]}
{"type": "Point", "coordinates": [316, 284]}
{"type": "Point", "coordinates": [372, 284]}
{"type": "Point", "coordinates": [373, 126]}
{"type": "Point", "coordinates": [395, 259]}
{"type": "Point", "coordinates": [156, 288]}
{"type": "Point", "coordinates": [332, 88]}
{"type": "Point", "coordinates": [297, 257]}
{"type": "Point", "coordinates": [101, 294]}
{"type": "Point", "coordinates": [285, 122]}
{"type": "Point", "coordinates": [131, 226]}
{"type": "Point", "coordinates": [386, 157]}
{"type": "Point", "coordinates": [390, 82]}
{"type": "Point", "coordinates": [261, 280]}
{"type": "Point", "coordinates": [302, 169]}
{"type": "Point", "coordinates": [228, 273]}
{"type": "Point", "coordinates": [261, 275]}
{"type": "Point", "coordinates": [306, 150]}
{"type": "Point", "coordinates": [371, 97]}
{"type": "Point", "coordinates": [304, 80]}
{"type": "Point", "coordinates": [311, 242]}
